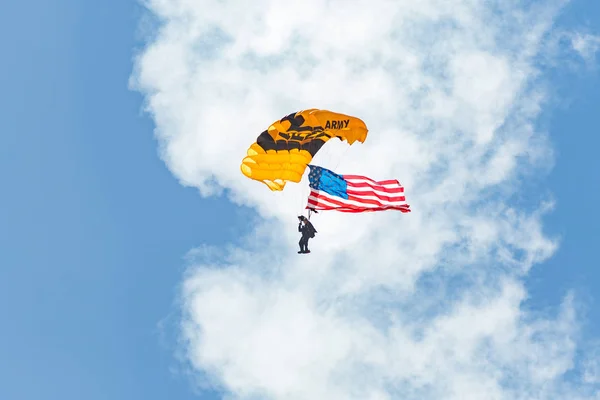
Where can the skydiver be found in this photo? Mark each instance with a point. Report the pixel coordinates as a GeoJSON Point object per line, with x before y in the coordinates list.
{"type": "Point", "coordinates": [308, 231]}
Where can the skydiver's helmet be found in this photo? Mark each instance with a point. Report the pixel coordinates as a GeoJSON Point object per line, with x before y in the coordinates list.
{"type": "Point", "coordinates": [301, 217]}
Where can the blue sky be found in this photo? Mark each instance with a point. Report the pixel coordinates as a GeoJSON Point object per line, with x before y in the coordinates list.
{"type": "Point", "coordinates": [95, 228]}
{"type": "Point", "coordinates": [572, 121]}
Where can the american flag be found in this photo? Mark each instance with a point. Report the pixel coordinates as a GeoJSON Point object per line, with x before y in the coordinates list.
{"type": "Point", "coordinates": [353, 193]}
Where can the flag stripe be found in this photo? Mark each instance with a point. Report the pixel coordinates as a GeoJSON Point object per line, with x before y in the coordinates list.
{"type": "Point", "coordinates": [375, 194]}
{"type": "Point", "coordinates": [319, 197]}
{"type": "Point", "coordinates": [327, 203]}
{"type": "Point", "coordinates": [372, 200]}
{"type": "Point", "coordinates": [365, 179]}
{"type": "Point", "coordinates": [353, 201]}
{"type": "Point", "coordinates": [361, 186]}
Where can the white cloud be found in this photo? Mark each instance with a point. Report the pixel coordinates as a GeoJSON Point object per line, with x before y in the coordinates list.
{"type": "Point", "coordinates": [417, 306]}
{"type": "Point", "coordinates": [586, 45]}
{"type": "Point", "coordinates": [592, 365]}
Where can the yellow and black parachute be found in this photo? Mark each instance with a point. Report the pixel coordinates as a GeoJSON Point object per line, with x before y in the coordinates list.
{"type": "Point", "coordinates": [282, 152]}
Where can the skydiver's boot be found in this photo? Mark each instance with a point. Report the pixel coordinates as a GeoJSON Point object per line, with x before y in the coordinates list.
{"type": "Point", "coordinates": [305, 250]}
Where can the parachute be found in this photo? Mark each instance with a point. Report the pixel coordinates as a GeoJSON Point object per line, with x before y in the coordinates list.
{"type": "Point", "coordinates": [282, 152]}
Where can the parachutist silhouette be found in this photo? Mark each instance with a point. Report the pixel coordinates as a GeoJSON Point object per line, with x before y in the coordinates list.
{"type": "Point", "coordinates": [308, 231]}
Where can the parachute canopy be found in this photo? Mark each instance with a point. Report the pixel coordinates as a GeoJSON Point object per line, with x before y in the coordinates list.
{"type": "Point", "coordinates": [282, 152]}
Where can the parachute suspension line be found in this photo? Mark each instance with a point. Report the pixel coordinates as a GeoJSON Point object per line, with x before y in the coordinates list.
{"type": "Point", "coordinates": [303, 199]}
{"type": "Point", "coordinates": [339, 161]}
{"type": "Point", "coordinates": [330, 159]}
{"type": "Point", "coordinates": [306, 190]}
{"type": "Point", "coordinates": [303, 194]}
